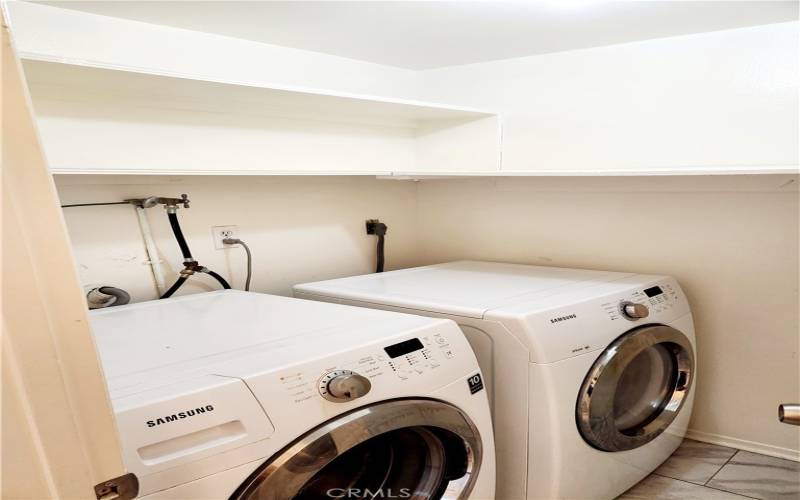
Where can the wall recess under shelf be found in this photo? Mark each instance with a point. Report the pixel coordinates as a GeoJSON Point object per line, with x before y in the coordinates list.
{"type": "Point", "coordinates": [99, 120]}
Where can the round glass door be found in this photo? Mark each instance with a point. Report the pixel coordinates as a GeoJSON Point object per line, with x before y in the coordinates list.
{"type": "Point", "coordinates": [635, 389]}
{"type": "Point", "coordinates": [414, 449]}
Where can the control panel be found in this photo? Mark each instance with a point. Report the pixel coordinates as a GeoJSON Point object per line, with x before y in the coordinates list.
{"type": "Point", "coordinates": [351, 379]}
{"type": "Point", "coordinates": [417, 356]}
{"type": "Point", "coordinates": [641, 304]}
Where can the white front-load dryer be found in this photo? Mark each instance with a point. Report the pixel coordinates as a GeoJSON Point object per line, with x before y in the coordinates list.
{"type": "Point", "coordinates": [590, 373]}
{"type": "Point", "coordinates": [235, 395]}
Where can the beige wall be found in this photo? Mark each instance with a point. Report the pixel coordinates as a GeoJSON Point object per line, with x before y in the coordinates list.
{"type": "Point", "coordinates": [299, 228]}
{"type": "Point", "coordinates": [731, 242]}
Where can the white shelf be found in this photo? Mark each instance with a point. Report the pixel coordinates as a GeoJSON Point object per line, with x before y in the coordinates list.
{"type": "Point", "coordinates": [751, 171]}
{"type": "Point", "coordinates": [99, 120]}
{"type": "Point", "coordinates": [104, 121]}
{"type": "Point", "coordinates": [115, 96]}
{"type": "Point", "coordinates": [679, 171]}
{"type": "Point", "coordinates": [83, 82]}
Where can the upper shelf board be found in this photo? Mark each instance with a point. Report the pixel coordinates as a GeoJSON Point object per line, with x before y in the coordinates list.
{"type": "Point", "coordinates": [77, 82]}
{"type": "Point", "coordinates": [678, 171]}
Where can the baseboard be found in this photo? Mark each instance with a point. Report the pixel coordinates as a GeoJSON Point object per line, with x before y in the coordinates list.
{"type": "Point", "coordinates": [743, 444]}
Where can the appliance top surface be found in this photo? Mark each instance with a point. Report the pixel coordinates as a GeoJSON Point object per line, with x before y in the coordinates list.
{"type": "Point", "coordinates": [465, 288]}
{"type": "Point", "coordinates": [165, 339]}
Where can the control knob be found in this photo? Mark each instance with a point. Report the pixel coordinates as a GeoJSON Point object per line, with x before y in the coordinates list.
{"type": "Point", "coordinates": [634, 311]}
{"type": "Point", "coordinates": [340, 386]}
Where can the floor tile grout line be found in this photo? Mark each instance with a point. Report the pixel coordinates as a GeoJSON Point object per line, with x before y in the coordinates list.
{"type": "Point", "coordinates": [709, 487]}
{"type": "Point", "coordinates": [723, 466]}
{"type": "Point", "coordinates": [706, 485]}
{"type": "Point", "coordinates": [727, 461]}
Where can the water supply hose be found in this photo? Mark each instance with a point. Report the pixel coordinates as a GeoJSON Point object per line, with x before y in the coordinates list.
{"type": "Point", "coordinates": [217, 277]}
{"type": "Point", "coordinates": [174, 288]}
{"type": "Point", "coordinates": [176, 230]}
{"type": "Point", "coordinates": [190, 265]}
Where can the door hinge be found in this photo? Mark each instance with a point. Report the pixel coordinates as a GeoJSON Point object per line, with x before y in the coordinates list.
{"type": "Point", "coordinates": [120, 488]}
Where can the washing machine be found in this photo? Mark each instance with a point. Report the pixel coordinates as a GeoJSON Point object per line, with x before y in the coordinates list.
{"type": "Point", "coordinates": [590, 373]}
{"type": "Point", "coordinates": [236, 395]}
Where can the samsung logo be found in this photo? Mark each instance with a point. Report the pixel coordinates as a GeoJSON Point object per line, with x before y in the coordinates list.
{"type": "Point", "coordinates": [179, 416]}
{"type": "Point", "coordinates": [563, 318]}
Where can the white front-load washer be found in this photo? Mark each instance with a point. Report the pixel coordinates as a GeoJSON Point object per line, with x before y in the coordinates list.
{"type": "Point", "coordinates": [235, 395]}
{"type": "Point", "coordinates": [590, 373]}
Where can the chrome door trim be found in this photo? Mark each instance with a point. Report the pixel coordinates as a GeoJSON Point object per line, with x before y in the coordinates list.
{"type": "Point", "coordinates": [282, 477]}
{"type": "Point", "coordinates": [594, 410]}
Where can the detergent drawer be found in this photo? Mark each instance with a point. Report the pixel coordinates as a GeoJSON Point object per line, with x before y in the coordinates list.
{"type": "Point", "coordinates": [180, 423]}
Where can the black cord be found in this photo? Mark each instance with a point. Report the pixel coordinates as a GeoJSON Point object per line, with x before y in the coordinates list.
{"type": "Point", "coordinates": [381, 255]}
{"type": "Point", "coordinates": [96, 204]}
{"type": "Point", "coordinates": [174, 288]}
{"type": "Point", "coordinates": [219, 278]}
{"type": "Point", "coordinates": [379, 229]}
{"type": "Point", "coordinates": [176, 230]}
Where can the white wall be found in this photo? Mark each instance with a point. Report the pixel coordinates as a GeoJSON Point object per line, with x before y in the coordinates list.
{"type": "Point", "coordinates": [299, 228]}
{"type": "Point", "coordinates": [721, 99]}
{"type": "Point", "coordinates": [731, 242]}
{"type": "Point", "coordinates": [66, 35]}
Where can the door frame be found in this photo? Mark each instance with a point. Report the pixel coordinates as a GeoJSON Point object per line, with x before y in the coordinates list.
{"type": "Point", "coordinates": [59, 434]}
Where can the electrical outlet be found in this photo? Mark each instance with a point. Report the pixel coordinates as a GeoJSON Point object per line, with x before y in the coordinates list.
{"type": "Point", "coordinates": [220, 233]}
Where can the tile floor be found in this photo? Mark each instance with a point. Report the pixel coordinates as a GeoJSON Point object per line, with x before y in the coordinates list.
{"type": "Point", "coordinates": [705, 471]}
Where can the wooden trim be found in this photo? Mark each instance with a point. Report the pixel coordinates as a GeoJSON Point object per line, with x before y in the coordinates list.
{"type": "Point", "coordinates": [59, 397]}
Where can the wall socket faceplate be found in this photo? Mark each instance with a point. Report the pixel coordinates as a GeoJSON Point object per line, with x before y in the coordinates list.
{"type": "Point", "coordinates": [219, 233]}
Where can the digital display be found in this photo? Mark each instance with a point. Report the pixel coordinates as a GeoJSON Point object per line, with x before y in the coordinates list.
{"type": "Point", "coordinates": [653, 291]}
{"type": "Point", "coordinates": [403, 348]}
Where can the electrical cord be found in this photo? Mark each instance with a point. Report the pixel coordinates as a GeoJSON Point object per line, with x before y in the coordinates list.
{"type": "Point", "coordinates": [381, 253]}
{"type": "Point", "coordinates": [237, 241]}
{"type": "Point", "coordinates": [379, 229]}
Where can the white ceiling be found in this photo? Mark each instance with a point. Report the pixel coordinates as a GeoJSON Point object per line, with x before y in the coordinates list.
{"type": "Point", "coordinates": [431, 34]}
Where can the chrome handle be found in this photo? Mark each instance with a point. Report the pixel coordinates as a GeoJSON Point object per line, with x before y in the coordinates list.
{"type": "Point", "coordinates": [789, 413]}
